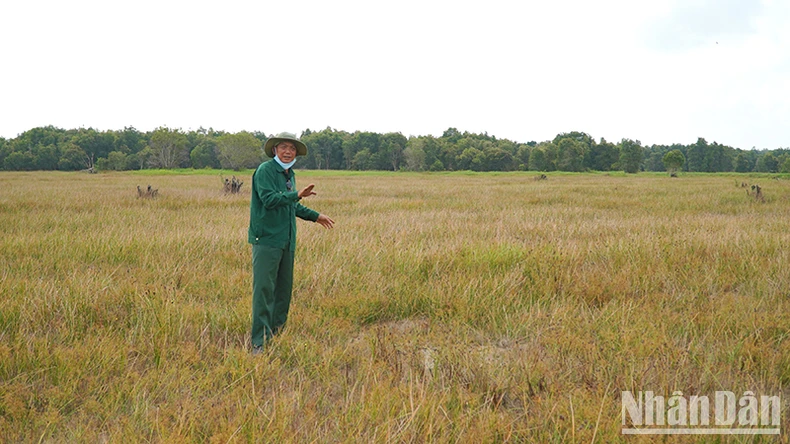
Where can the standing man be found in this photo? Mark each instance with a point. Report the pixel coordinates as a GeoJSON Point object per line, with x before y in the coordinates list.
{"type": "Point", "coordinates": [272, 233]}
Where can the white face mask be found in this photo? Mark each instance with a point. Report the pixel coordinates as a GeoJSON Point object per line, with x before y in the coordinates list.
{"type": "Point", "coordinates": [285, 166]}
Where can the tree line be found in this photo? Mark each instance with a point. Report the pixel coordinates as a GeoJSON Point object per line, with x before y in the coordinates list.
{"type": "Point", "coordinates": [50, 148]}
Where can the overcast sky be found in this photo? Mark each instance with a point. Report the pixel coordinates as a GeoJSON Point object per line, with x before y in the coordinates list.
{"type": "Point", "coordinates": [661, 71]}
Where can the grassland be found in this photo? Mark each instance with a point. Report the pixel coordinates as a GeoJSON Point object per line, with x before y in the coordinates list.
{"type": "Point", "coordinates": [442, 307]}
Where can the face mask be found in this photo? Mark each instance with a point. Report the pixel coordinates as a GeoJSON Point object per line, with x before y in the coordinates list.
{"type": "Point", "coordinates": [285, 166]}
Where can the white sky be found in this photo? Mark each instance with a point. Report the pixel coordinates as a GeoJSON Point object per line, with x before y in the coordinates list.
{"type": "Point", "coordinates": [661, 71]}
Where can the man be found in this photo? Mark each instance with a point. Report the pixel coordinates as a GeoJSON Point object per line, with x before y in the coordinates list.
{"type": "Point", "coordinates": [272, 233]}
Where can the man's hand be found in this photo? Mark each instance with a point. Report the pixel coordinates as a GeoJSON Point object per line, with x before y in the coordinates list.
{"type": "Point", "coordinates": [325, 221]}
{"type": "Point", "coordinates": [307, 191]}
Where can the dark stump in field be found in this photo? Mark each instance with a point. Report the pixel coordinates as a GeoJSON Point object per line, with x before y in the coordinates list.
{"type": "Point", "coordinates": [149, 193]}
{"type": "Point", "coordinates": [756, 193]}
{"type": "Point", "coordinates": [233, 185]}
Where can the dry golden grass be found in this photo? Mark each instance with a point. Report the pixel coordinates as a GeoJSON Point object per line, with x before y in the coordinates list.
{"type": "Point", "coordinates": [442, 307]}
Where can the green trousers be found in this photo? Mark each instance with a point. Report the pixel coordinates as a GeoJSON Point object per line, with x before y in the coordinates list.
{"type": "Point", "coordinates": [272, 282]}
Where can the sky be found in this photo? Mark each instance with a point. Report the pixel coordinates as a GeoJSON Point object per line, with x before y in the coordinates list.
{"type": "Point", "coordinates": [658, 71]}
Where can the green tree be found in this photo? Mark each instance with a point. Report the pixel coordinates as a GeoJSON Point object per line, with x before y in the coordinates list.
{"type": "Point", "coordinates": [459, 161]}
{"type": "Point", "coordinates": [479, 161]}
{"type": "Point", "coordinates": [102, 165]}
{"type": "Point", "coordinates": [696, 156]}
{"type": "Point", "coordinates": [130, 140]}
{"type": "Point", "coordinates": [631, 154]}
{"type": "Point", "coordinates": [654, 158]}
{"type": "Point", "coordinates": [585, 139]}
{"type": "Point", "coordinates": [141, 159]}
{"type": "Point", "coordinates": [445, 151]}
{"type": "Point", "coordinates": [716, 159]}
{"type": "Point", "coordinates": [470, 159]}
{"type": "Point", "coordinates": [570, 154]}
{"type": "Point", "coordinates": [522, 157]}
{"type": "Point", "coordinates": [351, 146]}
{"type": "Point", "coordinates": [95, 144]}
{"type": "Point", "coordinates": [325, 149]}
{"type": "Point", "coordinates": [452, 135]}
{"type": "Point", "coordinates": [357, 142]}
{"type": "Point", "coordinates": [537, 160]}
{"type": "Point", "coordinates": [240, 150]}
{"type": "Point", "coordinates": [767, 163]}
{"type": "Point", "coordinates": [392, 146]}
{"type": "Point", "coordinates": [673, 161]}
{"type": "Point", "coordinates": [742, 163]}
{"type": "Point", "coordinates": [414, 154]}
{"type": "Point", "coordinates": [362, 160]}
{"type": "Point", "coordinates": [19, 161]}
{"type": "Point", "coordinates": [39, 144]}
{"type": "Point", "coordinates": [498, 159]}
{"type": "Point", "coordinates": [260, 135]}
{"type": "Point", "coordinates": [5, 150]}
{"type": "Point", "coordinates": [168, 148]}
{"type": "Point", "coordinates": [565, 160]}
{"type": "Point", "coordinates": [72, 157]}
{"type": "Point", "coordinates": [552, 154]}
{"type": "Point", "coordinates": [40, 136]}
{"type": "Point", "coordinates": [46, 157]}
{"type": "Point", "coordinates": [204, 155]}
{"type": "Point", "coordinates": [116, 161]}
{"type": "Point", "coordinates": [603, 155]}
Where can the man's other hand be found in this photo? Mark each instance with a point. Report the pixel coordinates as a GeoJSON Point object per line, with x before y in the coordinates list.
{"type": "Point", "coordinates": [325, 221]}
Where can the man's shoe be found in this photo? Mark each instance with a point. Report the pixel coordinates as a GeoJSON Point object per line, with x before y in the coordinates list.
{"type": "Point", "coordinates": [257, 349]}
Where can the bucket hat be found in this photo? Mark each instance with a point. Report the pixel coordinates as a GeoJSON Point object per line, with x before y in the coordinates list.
{"type": "Point", "coordinates": [301, 148]}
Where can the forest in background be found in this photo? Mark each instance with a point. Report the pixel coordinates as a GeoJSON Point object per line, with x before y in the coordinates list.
{"type": "Point", "coordinates": [51, 148]}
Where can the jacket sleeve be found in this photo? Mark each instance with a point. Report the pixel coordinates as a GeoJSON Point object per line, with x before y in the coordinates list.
{"type": "Point", "coordinates": [305, 213]}
{"type": "Point", "coordinates": [265, 187]}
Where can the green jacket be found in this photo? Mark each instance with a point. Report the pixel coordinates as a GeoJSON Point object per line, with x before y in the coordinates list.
{"type": "Point", "coordinates": [273, 209]}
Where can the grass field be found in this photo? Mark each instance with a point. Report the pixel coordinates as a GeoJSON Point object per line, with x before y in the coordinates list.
{"type": "Point", "coordinates": [443, 307]}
